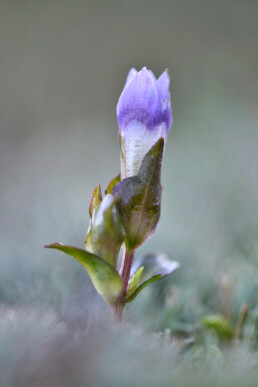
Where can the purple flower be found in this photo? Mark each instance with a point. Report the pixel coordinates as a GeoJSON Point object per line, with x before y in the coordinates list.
{"type": "Point", "coordinates": [144, 115]}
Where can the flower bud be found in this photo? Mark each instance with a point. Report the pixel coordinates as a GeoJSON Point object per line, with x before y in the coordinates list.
{"type": "Point", "coordinates": [144, 115]}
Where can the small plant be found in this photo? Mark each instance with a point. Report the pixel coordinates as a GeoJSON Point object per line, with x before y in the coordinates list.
{"type": "Point", "coordinates": [128, 212]}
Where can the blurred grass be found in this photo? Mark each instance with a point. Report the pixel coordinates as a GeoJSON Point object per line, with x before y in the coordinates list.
{"type": "Point", "coordinates": [62, 68]}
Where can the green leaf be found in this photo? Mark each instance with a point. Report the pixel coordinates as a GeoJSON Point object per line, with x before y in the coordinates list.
{"type": "Point", "coordinates": [155, 266]}
{"type": "Point", "coordinates": [140, 197]}
{"type": "Point", "coordinates": [142, 286]}
{"type": "Point", "coordinates": [220, 325]}
{"type": "Point", "coordinates": [96, 199]}
{"type": "Point", "coordinates": [134, 282]}
{"type": "Point", "coordinates": [104, 277]}
{"type": "Point", "coordinates": [111, 184]}
{"type": "Point", "coordinates": [106, 232]}
{"type": "Point", "coordinates": [88, 243]}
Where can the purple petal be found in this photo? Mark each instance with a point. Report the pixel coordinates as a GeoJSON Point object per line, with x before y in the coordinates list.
{"type": "Point", "coordinates": [131, 75]}
{"type": "Point", "coordinates": [163, 112]}
{"type": "Point", "coordinates": [138, 100]}
{"type": "Point", "coordinates": [153, 76]}
{"type": "Point", "coordinates": [162, 84]}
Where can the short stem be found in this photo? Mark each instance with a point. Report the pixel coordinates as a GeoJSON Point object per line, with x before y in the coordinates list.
{"type": "Point", "coordinates": [117, 311]}
{"type": "Point", "coordinates": [125, 270]}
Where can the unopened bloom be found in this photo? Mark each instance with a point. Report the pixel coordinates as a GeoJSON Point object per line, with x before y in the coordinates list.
{"type": "Point", "coordinates": [144, 115]}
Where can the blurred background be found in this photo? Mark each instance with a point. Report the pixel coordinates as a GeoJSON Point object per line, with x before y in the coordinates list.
{"type": "Point", "coordinates": [63, 66]}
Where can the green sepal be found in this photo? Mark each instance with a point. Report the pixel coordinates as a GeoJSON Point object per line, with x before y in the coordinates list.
{"type": "Point", "coordinates": [106, 232]}
{"type": "Point", "coordinates": [95, 201]}
{"type": "Point", "coordinates": [104, 277]}
{"type": "Point", "coordinates": [140, 198]}
{"type": "Point", "coordinates": [88, 243]}
{"type": "Point", "coordinates": [220, 325]}
{"type": "Point", "coordinates": [134, 282]}
{"type": "Point", "coordinates": [111, 184]}
{"type": "Point", "coordinates": [155, 267]}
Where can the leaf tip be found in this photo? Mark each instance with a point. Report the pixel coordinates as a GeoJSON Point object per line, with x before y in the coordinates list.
{"type": "Point", "coordinates": [52, 245]}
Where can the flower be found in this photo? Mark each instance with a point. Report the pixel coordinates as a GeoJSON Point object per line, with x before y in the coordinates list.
{"type": "Point", "coordinates": [144, 115]}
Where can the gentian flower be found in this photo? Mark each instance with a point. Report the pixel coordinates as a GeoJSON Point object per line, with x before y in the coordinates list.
{"type": "Point", "coordinates": [144, 115]}
{"type": "Point", "coordinates": [129, 212]}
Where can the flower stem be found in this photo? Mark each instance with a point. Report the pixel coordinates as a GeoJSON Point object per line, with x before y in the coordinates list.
{"type": "Point", "coordinates": [125, 270]}
{"type": "Point", "coordinates": [117, 310]}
